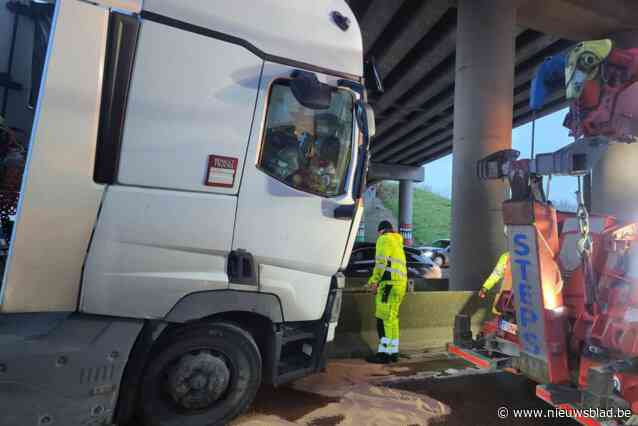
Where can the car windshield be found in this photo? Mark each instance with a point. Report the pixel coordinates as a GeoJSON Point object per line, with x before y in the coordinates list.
{"type": "Point", "coordinates": [441, 243]}
{"type": "Point", "coordinates": [305, 148]}
{"type": "Point", "coordinates": [420, 259]}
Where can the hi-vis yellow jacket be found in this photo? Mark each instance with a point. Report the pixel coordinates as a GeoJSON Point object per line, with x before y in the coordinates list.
{"type": "Point", "coordinates": [500, 272]}
{"type": "Point", "coordinates": [390, 259]}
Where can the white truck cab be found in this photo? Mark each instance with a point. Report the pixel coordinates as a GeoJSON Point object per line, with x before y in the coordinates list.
{"type": "Point", "coordinates": [192, 185]}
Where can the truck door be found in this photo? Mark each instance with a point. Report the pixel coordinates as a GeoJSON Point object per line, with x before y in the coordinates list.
{"type": "Point", "coordinates": [166, 223]}
{"type": "Point", "coordinates": [300, 168]}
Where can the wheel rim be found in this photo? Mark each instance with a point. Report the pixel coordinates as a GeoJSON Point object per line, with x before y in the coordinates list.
{"type": "Point", "coordinates": [197, 380]}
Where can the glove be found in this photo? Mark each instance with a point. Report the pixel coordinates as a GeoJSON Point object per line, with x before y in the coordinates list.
{"type": "Point", "coordinates": [373, 287]}
{"type": "Point", "coordinates": [482, 293]}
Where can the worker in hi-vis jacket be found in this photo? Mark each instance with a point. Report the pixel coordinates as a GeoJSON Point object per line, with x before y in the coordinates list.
{"type": "Point", "coordinates": [500, 273]}
{"type": "Point", "coordinates": [388, 282]}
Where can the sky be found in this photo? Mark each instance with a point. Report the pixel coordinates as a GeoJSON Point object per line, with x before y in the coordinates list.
{"type": "Point", "coordinates": [550, 136]}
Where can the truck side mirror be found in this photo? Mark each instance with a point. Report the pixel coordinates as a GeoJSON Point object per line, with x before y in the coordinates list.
{"type": "Point", "coordinates": [365, 119]}
{"type": "Point", "coordinates": [309, 91]}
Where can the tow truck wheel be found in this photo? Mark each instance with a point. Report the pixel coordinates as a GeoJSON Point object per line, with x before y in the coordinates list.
{"type": "Point", "coordinates": [202, 377]}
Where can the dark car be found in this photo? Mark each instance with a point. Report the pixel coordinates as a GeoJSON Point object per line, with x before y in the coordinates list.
{"type": "Point", "coordinates": [419, 268]}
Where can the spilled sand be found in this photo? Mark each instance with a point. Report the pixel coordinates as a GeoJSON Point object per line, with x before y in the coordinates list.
{"type": "Point", "coordinates": [349, 393]}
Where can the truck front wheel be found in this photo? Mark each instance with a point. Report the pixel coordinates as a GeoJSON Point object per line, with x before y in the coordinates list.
{"type": "Point", "coordinates": [201, 377]}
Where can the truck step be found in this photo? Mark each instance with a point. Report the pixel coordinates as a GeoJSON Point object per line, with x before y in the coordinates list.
{"type": "Point", "coordinates": [292, 375]}
{"type": "Point", "coordinates": [298, 336]}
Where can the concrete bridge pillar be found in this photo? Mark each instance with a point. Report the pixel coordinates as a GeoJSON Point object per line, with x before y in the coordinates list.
{"type": "Point", "coordinates": [483, 101]}
{"type": "Point", "coordinates": [614, 180]}
{"type": "Point", "coordinates": [406, 194]}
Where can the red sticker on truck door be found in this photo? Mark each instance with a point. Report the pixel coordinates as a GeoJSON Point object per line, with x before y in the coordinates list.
{"type": "Point", "coordinates": [221, 171]}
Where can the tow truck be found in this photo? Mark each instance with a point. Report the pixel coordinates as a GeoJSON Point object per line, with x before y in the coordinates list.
{"type": "Point", "coordinates": [570, 322]}
{"type": "Point", "coordinates": [180, 189]}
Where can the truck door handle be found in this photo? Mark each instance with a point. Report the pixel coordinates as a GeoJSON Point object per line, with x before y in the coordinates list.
{"type": "Point", "coordinates": [345, 212]}
{"type": "Point", "coordinates": [241, 268]}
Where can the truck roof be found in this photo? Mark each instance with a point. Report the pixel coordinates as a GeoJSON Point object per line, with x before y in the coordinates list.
{"type": "Point", "coordinates": [297, 31]}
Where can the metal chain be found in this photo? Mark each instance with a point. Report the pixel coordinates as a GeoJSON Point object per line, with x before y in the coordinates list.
{"type": "Point", "coordinates": [584, 248]}
{"type": "Point", "coordinates": [584, 245]}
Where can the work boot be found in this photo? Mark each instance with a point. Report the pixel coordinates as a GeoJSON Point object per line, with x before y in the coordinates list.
{"type": "Point", "coordinates": [394, 358]}
{"type": "Point", "coordinates": [379, 358]}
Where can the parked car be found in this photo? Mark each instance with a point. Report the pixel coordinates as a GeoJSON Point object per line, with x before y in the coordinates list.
{"type": "Point", "coordinates": [419, 268]}
{"type": "Point", "coordinates": [439, 251]}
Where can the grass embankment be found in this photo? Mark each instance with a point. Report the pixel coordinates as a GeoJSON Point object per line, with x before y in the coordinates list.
{"type": "Point", "coordinates": [431, 212]}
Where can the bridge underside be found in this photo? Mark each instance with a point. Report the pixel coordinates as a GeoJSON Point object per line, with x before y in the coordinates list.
{"type": "Point", "coordinates": [414, 44]}
{"type": "Point", "coordinates": [457, 79]}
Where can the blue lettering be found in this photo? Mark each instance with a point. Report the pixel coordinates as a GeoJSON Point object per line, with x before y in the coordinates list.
{"type": "Point", "coordinates": [520, 242]}
{"type": "Point", "coordinates": [525, 294]}
{"type": "Point", "coordinates": [523, 264]}
{"type": "Point", "coordinates": [531, 343]}
{"type": "Point", "coordinates": [527, 316]}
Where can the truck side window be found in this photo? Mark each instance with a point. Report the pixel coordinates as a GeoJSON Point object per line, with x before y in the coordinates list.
{"type": "Point", "coordinates": [304, 148]}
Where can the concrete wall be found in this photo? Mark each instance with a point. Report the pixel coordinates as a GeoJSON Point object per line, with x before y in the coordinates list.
{"type": "Point", "coordinates": [426, 321]}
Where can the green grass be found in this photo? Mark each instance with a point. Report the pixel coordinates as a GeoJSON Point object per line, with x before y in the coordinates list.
{"type": "Point", "coordinates": [431, 213]}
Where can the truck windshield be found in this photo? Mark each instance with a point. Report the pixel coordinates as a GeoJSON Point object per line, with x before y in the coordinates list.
{"type": "Point", "coordinates": [305, 148]}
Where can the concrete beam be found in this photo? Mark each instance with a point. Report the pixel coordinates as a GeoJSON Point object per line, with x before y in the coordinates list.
{"type": "Point", "coordinates": [579, 19]}
{"type": "Point", "coordinates": [422, 152]}
{"type": "Point", "coordinates": [396, 152]}
{"type": "Point", "coordinates": [444, 141]}
{"type": "Point", "coordinates": [375, 19]}
{"type": "Point", "coordinates": [527, 61]}
{"type": "Point", "coordinates": [443, 80]}
{"type": "Point", "coordinates": [410, 76]}
{"type": "Point", "coordinates": [380, 171]}
{"type": "Point", "coordinates": [442, 152]}
{"type": "Point", "coordinates": [444, 127]}
{"type": "Point", "coordinates": [529, 43]}
{"type": "Point", "coordinates": [415, 139]}
{"type": "Point", "coordinates": [433, 107]}
{"type": "Point", "coordinates": [400, 42]}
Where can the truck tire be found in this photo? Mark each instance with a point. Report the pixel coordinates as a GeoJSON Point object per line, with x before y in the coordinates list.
{"type": "Point", "coordinates": [201, 377]}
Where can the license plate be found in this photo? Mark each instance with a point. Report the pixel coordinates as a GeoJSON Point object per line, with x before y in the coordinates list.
{"type": "Point", "coordinates": [508, 327]}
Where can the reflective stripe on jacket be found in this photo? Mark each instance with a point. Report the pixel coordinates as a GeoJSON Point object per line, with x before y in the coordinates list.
{"type": "Point", "coordinates": [389, 262]}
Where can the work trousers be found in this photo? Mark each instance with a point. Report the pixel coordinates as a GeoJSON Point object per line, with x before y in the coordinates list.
{"type": "Point", "coordinates": [387, 302]}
